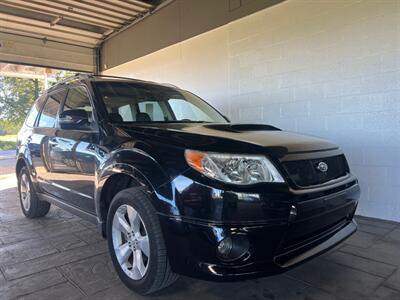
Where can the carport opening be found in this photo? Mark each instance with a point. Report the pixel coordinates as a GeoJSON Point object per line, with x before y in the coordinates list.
{"type": "Point", "coordinates": [20, 86]}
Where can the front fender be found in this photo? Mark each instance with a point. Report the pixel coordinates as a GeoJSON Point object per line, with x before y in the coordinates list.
{"type": "Point", "coordinates": [142, 168]}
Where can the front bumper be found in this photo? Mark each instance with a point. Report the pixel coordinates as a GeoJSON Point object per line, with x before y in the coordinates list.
{"type": "Point", "coordinates": [315, 247]}
{"type": "Point", "coordinates": [276, 245]}
{"type": "Point", "coordinates": [279, 263]}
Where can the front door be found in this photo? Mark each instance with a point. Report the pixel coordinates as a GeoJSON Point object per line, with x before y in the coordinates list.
{"type": "Point", "coordinates": [74, 154]}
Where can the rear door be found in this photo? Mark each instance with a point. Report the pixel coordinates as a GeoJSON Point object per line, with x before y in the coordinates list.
{"type": "Point", "coordinates": [28, 139]}
{"type": "Point", "coordinates": [40, 141]}
{"type": "Point", "coordinates": [74, 153]}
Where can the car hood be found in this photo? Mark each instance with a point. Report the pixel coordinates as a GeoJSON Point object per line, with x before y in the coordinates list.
{"type": "Point", "coordinates": [229, 137]}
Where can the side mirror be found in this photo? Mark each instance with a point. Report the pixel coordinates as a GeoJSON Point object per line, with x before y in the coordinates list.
{"type": "Point", "coordinates": [74, 119]}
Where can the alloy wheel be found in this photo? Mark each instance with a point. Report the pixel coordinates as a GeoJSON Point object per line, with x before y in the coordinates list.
{"type": "Point", "coordinates": [130, 242]}
{"type": "Point", "coordinates": [25, 190]}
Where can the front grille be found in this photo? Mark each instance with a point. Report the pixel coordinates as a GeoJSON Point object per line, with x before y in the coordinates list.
{"type": "Point", "coordinates": [305, 172]}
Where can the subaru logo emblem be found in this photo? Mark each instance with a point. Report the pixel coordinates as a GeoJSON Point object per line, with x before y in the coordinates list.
{"type": "Point", "coordinates": [322, 167]}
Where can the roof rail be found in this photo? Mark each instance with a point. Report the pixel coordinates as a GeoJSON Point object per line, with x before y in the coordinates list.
{"type": "Point", "coordinates": [170, 85]}
{"type": "Point", "coordinates": [117, 77]}
{"type": "Point", "coordinates": [138, 80]}
{"type": "Point", "coordinates": [126, 78]}
{"type": "Point", "coordinates": [77, 76]}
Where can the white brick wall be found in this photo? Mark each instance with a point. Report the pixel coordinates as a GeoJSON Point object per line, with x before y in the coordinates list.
{"type": "Point", "coordinates": [329, 68]}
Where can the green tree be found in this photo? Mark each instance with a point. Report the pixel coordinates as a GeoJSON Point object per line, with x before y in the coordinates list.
{"type": "Point", "coordinates": [61, 75]}
{"type": "Point", "coordinates": [16, 98]}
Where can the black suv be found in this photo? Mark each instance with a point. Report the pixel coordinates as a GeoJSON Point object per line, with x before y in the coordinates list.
{"type": "Point", "coordinates": [178, 189]}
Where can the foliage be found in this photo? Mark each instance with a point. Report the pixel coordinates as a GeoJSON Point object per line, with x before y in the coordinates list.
{"type": "Point", "coordinates": [9, 127]}
{"type": "Point", "coordinates": [6, 145]}
{"type": "Point", "coordinates": [61, 75]}
{"type": "Point", "coordinates": [8, 142]}
{"type": "Point", "coordinates": [16, 98]}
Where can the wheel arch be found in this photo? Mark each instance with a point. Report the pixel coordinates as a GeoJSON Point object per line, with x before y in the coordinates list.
{"type": "Point", "coordinates": [125, 169]}
{"type": "Point", "coordinates": [19, 165]}
{"type": "Point", "coordinates": [112, 185]}
{"type": "Point", "coordinates": [24, 160]}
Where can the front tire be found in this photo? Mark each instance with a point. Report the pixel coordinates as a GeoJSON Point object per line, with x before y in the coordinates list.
{"type": "Point", "coordinates": [136, 242]}
{"type": "Point", "coordinates": [31, 206]}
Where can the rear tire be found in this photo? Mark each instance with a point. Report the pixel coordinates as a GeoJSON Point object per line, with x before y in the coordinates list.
{"type": "Point", "coordinates": [31, 206]}
{"type": "Point", "coordinates": [136, 242]}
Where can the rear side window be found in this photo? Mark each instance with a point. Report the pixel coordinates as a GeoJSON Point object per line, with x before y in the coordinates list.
{"type": "Point", "coordinates": [50, 110]}
{"type": "Point", "coordinates": [33, 113]}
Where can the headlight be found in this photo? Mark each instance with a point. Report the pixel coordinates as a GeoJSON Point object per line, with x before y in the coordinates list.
{"type": "Point", "coordinates": [233, 168]}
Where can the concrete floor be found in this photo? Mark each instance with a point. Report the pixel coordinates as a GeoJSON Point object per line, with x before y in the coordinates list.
{"type": "Point", "coordinates": [63, 257]}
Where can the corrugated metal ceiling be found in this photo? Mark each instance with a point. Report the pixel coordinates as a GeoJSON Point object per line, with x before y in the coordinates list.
{"type": "Point", "coordinates": [76, 22]}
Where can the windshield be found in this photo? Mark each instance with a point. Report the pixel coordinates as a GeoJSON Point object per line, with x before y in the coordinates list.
{"type": "Point", "coordinates": [128, 102]}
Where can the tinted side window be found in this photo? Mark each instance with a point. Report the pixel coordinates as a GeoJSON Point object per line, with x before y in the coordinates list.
{"type": "Point", "coordinates": [78, 98]}
{"type": "Point", "coordinates": [50, 110]}
{"type": "Point", "coordinates": [32, 115]}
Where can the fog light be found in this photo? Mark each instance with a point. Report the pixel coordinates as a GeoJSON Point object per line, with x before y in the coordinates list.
{"type": "Point", "coordinates": [225, 247]}
{"type": "Point", "coordinates": [233, 248]}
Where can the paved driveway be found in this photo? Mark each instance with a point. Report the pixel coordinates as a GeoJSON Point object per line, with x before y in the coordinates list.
{"type": "Point", "coordinates": [62, 257]}
{"type": "Point", "coordinates": [7, 162]}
